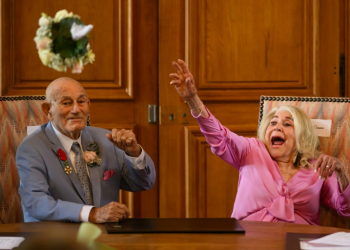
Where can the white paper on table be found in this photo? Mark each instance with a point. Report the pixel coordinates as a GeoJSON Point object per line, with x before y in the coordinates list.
{"type": "Point", "coordinates": [340, 240]}
{"type": "Point", "coordinates": [10, 242]}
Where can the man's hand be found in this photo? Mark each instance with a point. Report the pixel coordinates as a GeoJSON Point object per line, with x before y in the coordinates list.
{"type": "Point", "coordinates": [126, 141]}
{"type": "Point", "coordinates": [112, 212]}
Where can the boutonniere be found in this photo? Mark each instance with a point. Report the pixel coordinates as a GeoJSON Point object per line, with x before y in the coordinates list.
{"type": "Point", "coordinates": [91, 155]}
{"type": "Point", "coordinates": [63, 157]}
{"type": "Point", "coordinates": [108, 174]}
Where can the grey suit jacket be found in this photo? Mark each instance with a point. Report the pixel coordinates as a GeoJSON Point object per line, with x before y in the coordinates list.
{"type": "Point", "coordinates": [48, 193]}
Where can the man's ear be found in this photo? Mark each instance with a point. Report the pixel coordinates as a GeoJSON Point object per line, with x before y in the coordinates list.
{"type": "Point", "coordinates": [45, 107]}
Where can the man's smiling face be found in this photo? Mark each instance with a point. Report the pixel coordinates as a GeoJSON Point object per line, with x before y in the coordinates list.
{"type": "Point", "coordinates": [69, 109]}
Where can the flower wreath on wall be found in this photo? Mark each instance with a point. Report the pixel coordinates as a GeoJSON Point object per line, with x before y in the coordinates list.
{"type": "Point", "coordinates": [62, 42]}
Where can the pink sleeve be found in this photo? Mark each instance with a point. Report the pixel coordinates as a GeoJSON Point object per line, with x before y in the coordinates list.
{"type": "Point", "coordinates": [229, 146]}
{"type": "Point", "coordinates": [332, 196]}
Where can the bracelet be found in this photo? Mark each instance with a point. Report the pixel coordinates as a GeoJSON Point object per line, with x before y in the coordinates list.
{"type": "Point", "coordinates": [199, 113]}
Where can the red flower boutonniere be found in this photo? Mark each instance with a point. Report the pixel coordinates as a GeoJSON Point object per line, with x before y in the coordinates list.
{"type": "Point", "coordinates": [63, 157]}
{"type": "Point", "coordinates": [108, 174]}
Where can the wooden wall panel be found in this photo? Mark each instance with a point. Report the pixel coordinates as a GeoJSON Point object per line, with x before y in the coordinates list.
{"type": "Point", "coordinates": [211, 183]}
{"type": "Point", "coordinates": [110, 77]}
{"type": "Point", "coordinates": [145, 79]}
{"type": "Point", "coordinates": [329, 51]}
{"type": "Point", "coordinates": [248, 48]}
{"type": "Point", "coordinates": [171, 154]}
{"type": "Point", "coordinates": [221, 186]}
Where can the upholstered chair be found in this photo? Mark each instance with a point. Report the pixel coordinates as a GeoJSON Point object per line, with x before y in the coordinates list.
{"type": "Point", "coordinates": [16, 113]}
{"type": "Point", "coordinates": [337, 144]}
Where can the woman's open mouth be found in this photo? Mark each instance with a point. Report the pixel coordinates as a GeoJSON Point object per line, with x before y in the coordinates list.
{"type": "Point", "coordinates": [277, 141]}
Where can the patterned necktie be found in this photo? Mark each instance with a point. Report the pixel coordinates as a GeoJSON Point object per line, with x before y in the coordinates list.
{"type": "Point", "coordinates": [80, 165]}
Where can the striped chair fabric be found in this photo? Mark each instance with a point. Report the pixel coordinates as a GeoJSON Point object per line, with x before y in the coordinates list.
{"type": "Point", "coordinates": [16, 113]}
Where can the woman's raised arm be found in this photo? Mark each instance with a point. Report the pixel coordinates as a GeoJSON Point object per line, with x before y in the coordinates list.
{"type": "Point", "coordinates": [185, 86]}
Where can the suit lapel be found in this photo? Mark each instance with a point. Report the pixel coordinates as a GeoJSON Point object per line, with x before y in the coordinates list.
{"type": "Point", "coordinates": [50, 133]}
{"type": "Point", "coordinates": [94, 172]}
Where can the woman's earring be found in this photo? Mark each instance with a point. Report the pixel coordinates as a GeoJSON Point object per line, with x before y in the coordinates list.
{"type": "Point", "coordinates": [295, 158]}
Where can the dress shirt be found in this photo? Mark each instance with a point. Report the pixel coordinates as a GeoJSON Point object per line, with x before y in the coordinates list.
{"type": "Point", "coordinates": [137, 163]}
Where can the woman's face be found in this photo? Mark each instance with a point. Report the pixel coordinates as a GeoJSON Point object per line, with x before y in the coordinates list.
{"type": "Point", "coordinates": [280, 137]}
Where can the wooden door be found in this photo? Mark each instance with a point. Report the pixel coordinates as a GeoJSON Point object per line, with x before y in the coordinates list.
{"type": "Point", "coordinates": [120, 83]}
{"type": "Point", "coordinates": [237, 51]}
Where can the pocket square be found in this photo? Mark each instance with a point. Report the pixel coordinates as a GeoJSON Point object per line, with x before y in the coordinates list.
{"type": "Point", "coordinates": [108, 174]}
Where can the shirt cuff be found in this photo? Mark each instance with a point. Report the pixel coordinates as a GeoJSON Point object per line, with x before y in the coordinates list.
{"type": "Point", "coordinates": [84, 213]}
{"type": "Point", "coordinates": [137, 162]}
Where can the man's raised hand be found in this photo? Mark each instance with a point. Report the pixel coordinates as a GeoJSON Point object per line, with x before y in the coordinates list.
{"type": "Point", "coordinates": [126, 141]}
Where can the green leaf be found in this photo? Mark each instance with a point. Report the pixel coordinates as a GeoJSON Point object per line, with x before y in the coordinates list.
{"type": "Point", "coordinates": [55, 30]}
{"type": "Point", "coordinates": [82, 42]}
{"type": "Point", "coordinates": [66, 53]}
{"type": "Point", "coordinates": [64, 46]}
{"type": "Point", "coordinates": [62, 39]}
{"type": "Point", "coordinates": [80, 51]}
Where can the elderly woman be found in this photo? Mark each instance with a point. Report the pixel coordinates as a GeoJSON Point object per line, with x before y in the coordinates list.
{"type": "Point", "coordinates": [282, 176]}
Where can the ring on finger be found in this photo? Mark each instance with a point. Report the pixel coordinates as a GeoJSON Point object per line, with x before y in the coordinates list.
{"type": "Point", "coordinates": [327, 166]}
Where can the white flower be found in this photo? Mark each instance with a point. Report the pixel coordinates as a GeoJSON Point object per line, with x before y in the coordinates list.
{"type": "Point", "coordinates": [57, 63]}
{"type": "Point", "coordinates": [44, 20]}
{"type": "Point", "coordinates": [43, 31]}
{"type": "Point", "coordinates": [62, 14]}
{"type": "Point", "coordinates": [70, 62]}
{"type": "Point", "coordinates": [89, 58]}
{"type": "Point", "coordinates": [59, 67]}
{"type": "Point", "coordinates": [78, 31]}
{"type": "Point", "coordinates": [78, 68]}
{"type": "Point", "coordinates": [43, 43]}
{"type": "Point", "coordinates": [45, 56]}
{"type": "Point", "coordinates": [91, 158]}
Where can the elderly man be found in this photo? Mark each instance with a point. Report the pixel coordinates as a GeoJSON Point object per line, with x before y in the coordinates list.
{"type": "Point", "coordinates": [72, 172]}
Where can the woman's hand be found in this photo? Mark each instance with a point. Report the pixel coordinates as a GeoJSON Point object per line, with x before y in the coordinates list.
{"type": "Point", "coordinates": [327, 164]}
{"type": "Point", "coordinates": [184, 84]}
{"type": "Point", "coordinates": [183, 80]}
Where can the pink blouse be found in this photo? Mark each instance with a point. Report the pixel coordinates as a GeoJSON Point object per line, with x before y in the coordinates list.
{"type": "Point", "coordinates": [262, 193]}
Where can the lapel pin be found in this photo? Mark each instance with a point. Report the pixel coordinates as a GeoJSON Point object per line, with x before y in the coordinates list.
{"type": "Point", "coordinates": [68, 170]}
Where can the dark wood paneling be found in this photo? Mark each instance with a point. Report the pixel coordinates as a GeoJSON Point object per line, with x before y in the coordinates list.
{"type": "Point", "coordinates": [329, 52]}
{"type": "Point", "coordinates": [239, 50]}
{"type": "Point", "coordinates": [145, 75]}
{"type": "Point", "coordinates": [171, 136]}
